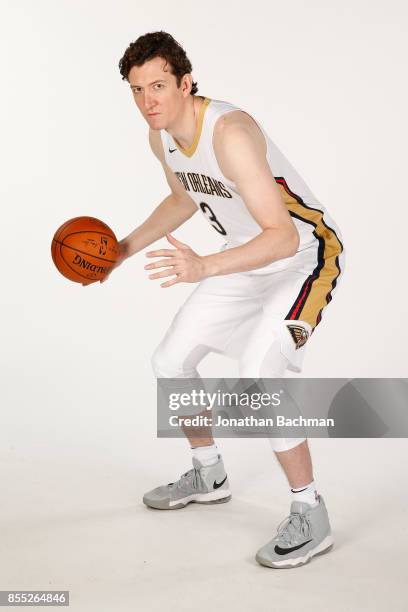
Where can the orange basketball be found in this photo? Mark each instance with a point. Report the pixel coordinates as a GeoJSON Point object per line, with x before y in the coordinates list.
{"type": "Point", "coordinates": [84, 249]}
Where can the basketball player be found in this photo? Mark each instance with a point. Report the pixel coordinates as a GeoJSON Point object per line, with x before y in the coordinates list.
{"type": "Point", "coordinates": [264, 291]}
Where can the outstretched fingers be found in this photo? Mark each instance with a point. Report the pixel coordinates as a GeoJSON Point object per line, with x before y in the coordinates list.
{"type": "Point", "coordinates": [169, 272]}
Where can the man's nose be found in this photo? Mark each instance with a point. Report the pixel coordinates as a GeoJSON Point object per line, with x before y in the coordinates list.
{"type": "Point", "coordinates": [149, 101]}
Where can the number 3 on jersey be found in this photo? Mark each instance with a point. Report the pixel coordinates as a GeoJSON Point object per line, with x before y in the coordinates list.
{"type": "Point", "coordinates": [207, 210]}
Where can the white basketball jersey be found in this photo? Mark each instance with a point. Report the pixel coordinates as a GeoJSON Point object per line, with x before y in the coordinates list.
{"type": "Point", "coordinates": [220, 202]}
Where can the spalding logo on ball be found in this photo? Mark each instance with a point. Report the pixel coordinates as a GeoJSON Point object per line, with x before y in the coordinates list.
{"type": "Point", "coordinates": [84, 249]}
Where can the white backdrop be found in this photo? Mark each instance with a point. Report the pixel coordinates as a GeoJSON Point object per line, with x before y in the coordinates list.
{"type": "Point", "coordinates": [326, 80]}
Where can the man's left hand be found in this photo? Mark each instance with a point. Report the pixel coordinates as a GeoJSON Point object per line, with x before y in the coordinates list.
{"type": "Point", "coordinates": [181, 261]}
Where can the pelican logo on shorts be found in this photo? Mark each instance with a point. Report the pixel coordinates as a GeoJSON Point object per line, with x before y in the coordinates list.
{"type": "Point", "coordinates": [299, 335]}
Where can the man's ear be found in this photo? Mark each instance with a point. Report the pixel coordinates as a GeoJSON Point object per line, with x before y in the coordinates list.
{"type": "Point", "coordinates": [186, 84]}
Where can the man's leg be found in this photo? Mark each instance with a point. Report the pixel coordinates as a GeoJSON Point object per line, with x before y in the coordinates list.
{"type": "Point", "coordinates": [204, 323]}
{"type": "Point", "coordinates": [206, 482]}
{"type": "Point", "coordinates": [263, 358]}
{"type": "Point", "coordinates": [297, 465]}
{"type": "Point", "coordinates": [306, 531]}
{"type": "Point", "coordinates": [198, 436]}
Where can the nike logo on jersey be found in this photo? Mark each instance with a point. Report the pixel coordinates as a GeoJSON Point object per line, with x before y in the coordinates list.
{"type": "Point", "coordinates": [217, 485]}
{"type": "Point", "coordinates": [172, 150]}
{"type": "Point", "coordinates": [286, 551]}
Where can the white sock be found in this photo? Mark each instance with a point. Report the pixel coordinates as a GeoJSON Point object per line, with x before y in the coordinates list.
{"type": "Point", "coordinates": [207, 455]}
{"type": "Point", "coordinates": [307, 494]}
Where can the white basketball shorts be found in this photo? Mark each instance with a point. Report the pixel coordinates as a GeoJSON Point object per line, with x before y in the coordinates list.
{"type": "Point", "coordinates": [262, 320]}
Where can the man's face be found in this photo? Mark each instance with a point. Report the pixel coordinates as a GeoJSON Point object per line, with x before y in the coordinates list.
{"type": "Point", "coordinates": [156, 93]}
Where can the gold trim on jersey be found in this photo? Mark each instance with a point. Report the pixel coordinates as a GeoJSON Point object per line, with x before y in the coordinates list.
{"type": "Point", "coordinates": [317, 292]}
{"type": "Point", "coordinates": [191, 149]}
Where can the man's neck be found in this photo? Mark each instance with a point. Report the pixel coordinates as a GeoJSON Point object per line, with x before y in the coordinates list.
{"type": "Point", "coordinates": [184, 128]}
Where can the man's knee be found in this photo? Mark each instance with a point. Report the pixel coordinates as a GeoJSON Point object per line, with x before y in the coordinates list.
{"type": "Point", "coordinates": [166, 363]}
{"type": "Point", "coordinates": [163, 364]}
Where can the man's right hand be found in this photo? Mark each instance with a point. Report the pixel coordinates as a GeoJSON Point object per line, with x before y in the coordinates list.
{"type": "Point", "coordinates": [122, 256]}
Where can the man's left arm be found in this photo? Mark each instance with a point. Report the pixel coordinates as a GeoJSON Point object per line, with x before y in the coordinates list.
{"type": "Point", "coordinates": [240, 149]}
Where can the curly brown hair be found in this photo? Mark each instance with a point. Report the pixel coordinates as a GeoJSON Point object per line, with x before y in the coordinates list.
{"type": "Point", "coordinates": [157, 44]}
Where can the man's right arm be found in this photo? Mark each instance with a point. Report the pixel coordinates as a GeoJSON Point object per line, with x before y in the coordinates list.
{"type": "Point", "coordinates": [172, 212]}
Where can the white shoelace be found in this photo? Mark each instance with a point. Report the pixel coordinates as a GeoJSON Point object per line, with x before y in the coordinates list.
{"type": "Point", "coordinates": [189, 479]}
{"type": "Point", "coordinates": [292, 527]}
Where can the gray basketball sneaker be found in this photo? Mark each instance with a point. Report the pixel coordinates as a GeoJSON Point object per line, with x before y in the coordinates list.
{"type": "Point", "coordinates": [204, 485]}
{"type": "Point", "coordinates": [302, 535]}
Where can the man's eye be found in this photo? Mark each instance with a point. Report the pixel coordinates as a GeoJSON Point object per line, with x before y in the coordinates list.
{"type": "Point", "coordinates": [136, 91]}
{"type": "Point", "coordinates": [158, 86]}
